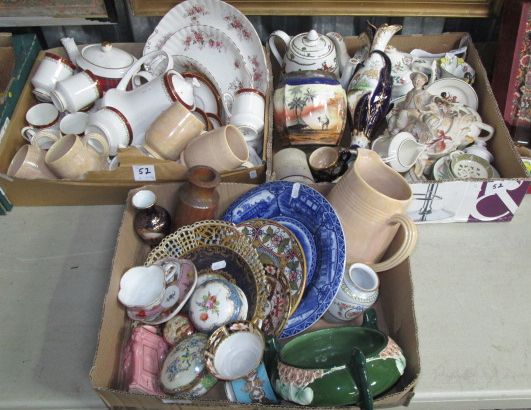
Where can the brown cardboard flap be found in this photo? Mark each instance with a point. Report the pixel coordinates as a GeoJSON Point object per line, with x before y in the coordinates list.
{"type": "Point", "coordinates": [394, 308]}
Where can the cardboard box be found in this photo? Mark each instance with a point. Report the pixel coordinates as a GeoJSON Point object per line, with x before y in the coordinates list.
{"type": "Point", "coordinates": [460, 200]}
{"type": "Point", "coordinates": [102, 187]}
{"type": "Point", "coordinates": [394, 308]}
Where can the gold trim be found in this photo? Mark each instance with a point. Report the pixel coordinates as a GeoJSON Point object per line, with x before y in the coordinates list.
{"type": "Point", "coordinates": [418, 8]}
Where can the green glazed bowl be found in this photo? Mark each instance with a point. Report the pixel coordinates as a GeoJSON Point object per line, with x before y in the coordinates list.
{"type": "Point", "coordinates": [338, 366]}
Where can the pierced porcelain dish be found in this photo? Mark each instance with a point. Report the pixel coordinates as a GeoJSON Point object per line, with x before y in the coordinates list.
{"type": "Point", "coordinates": [224, 17]}
{"type": "Point", "coordinates": [454, 90]}
{"type": "Point", "coordinates": [469, 166]}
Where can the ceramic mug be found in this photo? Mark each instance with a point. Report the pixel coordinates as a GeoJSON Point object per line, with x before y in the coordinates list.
{"type": "Point", "coordinates": [28, 163]}
{"type": "Point", "coordinates": [74, 123]}
{"type": "Point", "coordinates": [246, 111]}
{"type": "Point", "coordinates": [173, 129]}
{"type": "Point", "coordinates": [143, 289]}
{"type": "Point", "coordinates": [71, 157]}
{"type": "Point", "coordinates": [234, 350]}
{"type": "Point", "coordinates": [358, 292]}
{"type": "Point", "coordinates": [223, 149]}
{"type": "Point", "coordinates": [329, 163]}
{"type": "Point", "coordinates": [53, 68]}
{"type": "Point", "coordinates": [371, 200]}
{"type": "Point", "coordinates": [39, 117]}
{"type": "Point", "coordinates": [76, 92]}
{"type": "Point", "coordinates": [254, 388]}
{"type": "Point", "coordinates": [290, 164]}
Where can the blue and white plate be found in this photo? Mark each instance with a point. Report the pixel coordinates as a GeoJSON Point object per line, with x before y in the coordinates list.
{"type": "Point", "coordinates": [307, 206]}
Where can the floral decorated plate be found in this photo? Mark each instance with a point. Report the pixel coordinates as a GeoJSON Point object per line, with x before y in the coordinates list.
{"type": "Point", "coordinates": [177, 292]}
{"type": "Point", "coordinates": [215, 50]}
{"type": "Point", "coordinates": [455, 90]}
{"type": "Point", "coordinates": [309, 207]}
{"type": "Point", "coordinates": [280, 253]}
{"type": "Point", "coordinates": [224, 17]}
{"type": "Point", "coordinates": [441, 169]}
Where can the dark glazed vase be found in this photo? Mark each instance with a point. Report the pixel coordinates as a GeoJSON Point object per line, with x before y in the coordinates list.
{"type": "Point", "coordinates": [152, 222]}
{"type": "Point", "coordinates": [197, 198]}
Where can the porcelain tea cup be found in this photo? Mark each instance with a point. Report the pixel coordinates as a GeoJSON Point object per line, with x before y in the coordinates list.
{"type": "Point", "coordinates": [39, 117]}
{"type": "Point", "coordinates": [44, 139]}
{"type": "Point", "coordinates": [77, 92]}
{"type": "Point", "coordinates": [74, 123]}
{"type": "Point", "coordinates": [254, 388]}
{"type": "Point", "coordinates": [28, 163]}
{"type": "Point", "coordinates": [234, 350]}
{"type": "Point", "coordinates": [223, 149]}
{"type": "Point", "coordinates": [53, 68]}
{"type": "Point", "coordinates": [171, 131]}
{"type": "Point", "coordinates": [290, 164]}
{"type": "Point", "coordinates": [479, 149]}
{"type": "Point", "coordinates": [215, 303]}
{"type": "Point", "coordinates": [71, 157]}
{"type": "Point", "coordinates": [142, 290]}
{"type": "Point", "coordinates": [246, 110]}
{"type": "Point", "coordinates": [329, 163]}
{"type": "Point", "coordinates": [358, 292]}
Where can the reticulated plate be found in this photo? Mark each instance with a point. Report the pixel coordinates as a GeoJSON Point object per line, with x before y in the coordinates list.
{"type": "Point", "coordinates": [219, 245]}
{"type": "Point", "coordinates": [309, 207]}
{"type": "Point", "coordinates": [454, 90]}
{"type": "Point", "coordinates": [224, 17]}
{"type": "Point", "coordinates": [470, 166]}
{"type": "Point", "coordinates": [280, 253]}
{"type": "Point", "coordinates": [215, 50]}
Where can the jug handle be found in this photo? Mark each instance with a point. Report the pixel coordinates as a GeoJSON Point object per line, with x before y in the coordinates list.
{"type": "Point", "coordinates": [405, 249]}
{"type": "Point", "coordinates": [285, 39]}
{"type": "Point", "coordinates": [358, 370]}
{"type": "Point", "coordinates": [122, 85]}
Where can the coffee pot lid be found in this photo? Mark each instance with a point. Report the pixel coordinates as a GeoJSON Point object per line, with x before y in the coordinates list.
{"type": "Point", "coordinates": [311, 46]}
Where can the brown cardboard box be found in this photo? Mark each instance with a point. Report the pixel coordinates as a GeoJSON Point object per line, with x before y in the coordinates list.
{"type": "Point", "coordinates": [394, 308]}
{"type": "Point", "coordinates": [102, 187]}
{"type": "Point", "coordinates": [459, 200]}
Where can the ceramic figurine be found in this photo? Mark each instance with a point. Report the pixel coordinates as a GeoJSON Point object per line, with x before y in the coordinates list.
{"type": "Point", "coordinates": [369, 91]}
{"type": "Point", "coordinates": [310, 107]}
{"type": "Point", "coordinates": [305, 51]}
{"type": "Point", "coordinates": [197, 198]}
{"type": "Point", "coordinates": [143, 357]}
{"type": "Point", "coordinates": [151, 222]}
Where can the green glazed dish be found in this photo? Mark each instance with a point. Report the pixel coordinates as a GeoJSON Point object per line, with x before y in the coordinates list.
{"type": "Point", "coordinates": [330, 367]}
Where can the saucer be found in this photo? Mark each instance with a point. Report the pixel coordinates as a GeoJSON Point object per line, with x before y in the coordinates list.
{"type": "Point", "coordinates": [441, 169]}
{"type": "Point", "coordinates": [469, 166]}
{"type": "Point", "coordinates": [454, 90]}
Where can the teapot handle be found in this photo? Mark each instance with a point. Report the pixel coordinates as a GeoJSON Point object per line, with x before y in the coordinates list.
{"type": "Point", "coordinates": [122, 85]}
{"type": "Point", "coordinates": [358, 370]}
{"type": "Point", "coordinates": [285, 39]}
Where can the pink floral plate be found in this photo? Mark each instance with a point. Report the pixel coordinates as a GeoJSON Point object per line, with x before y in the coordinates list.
{"type": "Point", "coordinates": [181, 288]}
{"type": "Point", "coordinates": [216, 51]}
{"type": "Point", "coordinates": [223, 17]}
{"type": "Point", "coordinates": [280, 252]}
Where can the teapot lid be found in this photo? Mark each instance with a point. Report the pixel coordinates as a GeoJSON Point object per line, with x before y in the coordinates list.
{"type": "Point", "coordinates": [105, 56]}
{"type": "Point", "coordinates": [311, 46]}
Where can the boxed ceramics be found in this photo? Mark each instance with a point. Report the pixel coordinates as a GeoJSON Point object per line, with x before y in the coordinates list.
{"type": "Point", "coordinates": [455, 200]}
{"type": "Point", "coordinates": [99, 187]}
{"type": "Point", "coordinates": [394, 309]}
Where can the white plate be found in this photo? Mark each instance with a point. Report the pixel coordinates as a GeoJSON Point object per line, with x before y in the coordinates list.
{"type": "Point", "coordinates": [455, 91]}
{"type": "Point", "coordinates": [224, 17]}
{"type": "Point", "coordinates": [214, 50]}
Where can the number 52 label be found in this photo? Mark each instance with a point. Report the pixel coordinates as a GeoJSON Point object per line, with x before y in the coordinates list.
{"type": "Point", "coordinates": [144, 173]}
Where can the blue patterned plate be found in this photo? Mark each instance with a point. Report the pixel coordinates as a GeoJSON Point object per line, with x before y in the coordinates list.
{"type": "Point", "coordinates": [307, 206]}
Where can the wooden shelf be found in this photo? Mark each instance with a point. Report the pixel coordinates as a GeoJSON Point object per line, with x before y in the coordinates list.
{"type": "Point", "coordinates": [419, 8]}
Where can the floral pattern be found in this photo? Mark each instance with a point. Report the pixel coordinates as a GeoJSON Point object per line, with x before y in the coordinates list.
{"type": "Point", "coordinates": [195, 12]}
{"type": "Point", "coordinates": [200, 39]}
{"type": "Point", "coordinates": [209, 304]}
{"type": "Point", "coordinates": [234, 23]}
{"type": "Point", "coordinates": [186, 355]}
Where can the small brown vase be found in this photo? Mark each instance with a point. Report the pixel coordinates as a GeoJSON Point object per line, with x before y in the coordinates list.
{"type": "Point", "coordinates": [197, 198]}
{"type": "Point", "coordinates": [152, 222]}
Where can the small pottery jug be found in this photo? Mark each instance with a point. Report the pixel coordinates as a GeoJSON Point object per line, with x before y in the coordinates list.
{"type": "Point", "coordinates": [310, 107]}
{"type": "Point", "coordinates": [197, 198]}
{"type": "Point", "coordinates": [353, 365]}
{"type": "Point", "coordinates": [152, 222]}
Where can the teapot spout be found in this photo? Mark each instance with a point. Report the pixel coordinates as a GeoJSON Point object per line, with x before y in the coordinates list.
{"type": "Point", "coordinates": [71, 49]}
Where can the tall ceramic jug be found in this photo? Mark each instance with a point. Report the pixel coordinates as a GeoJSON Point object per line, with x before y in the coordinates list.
{"type": "Point", "coordinates": [371, 200]}
{"type": "Point", "coordinates": [142, 105]}
{"type": "Point", "coordinates": [369, 91]}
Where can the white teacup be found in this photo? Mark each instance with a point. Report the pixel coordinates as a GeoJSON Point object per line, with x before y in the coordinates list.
{"type": "Point", "coordinates": [53, 68]}
{"type": "Point", "coordinates": [76, 92]}
{"type": "Point", "coordinates": [247, 109]}
{"type": "Point", "coordinates": [44, 139]}
{"type": "Point", "coordinates": [74, 123]}
{"type": "Point", "coordinates": [40, 117]}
